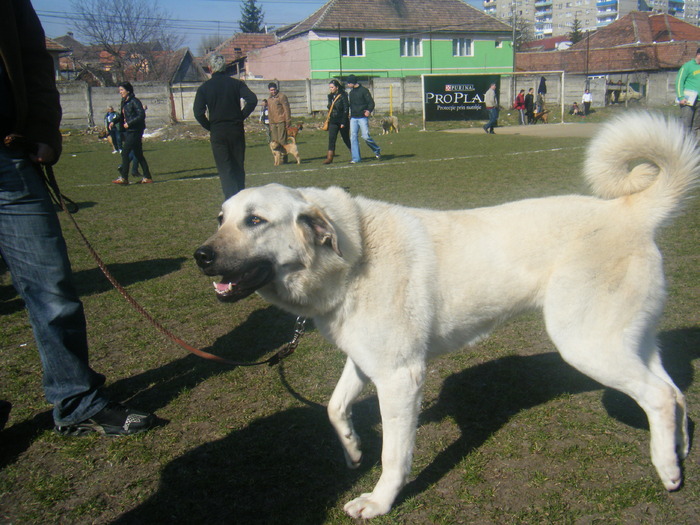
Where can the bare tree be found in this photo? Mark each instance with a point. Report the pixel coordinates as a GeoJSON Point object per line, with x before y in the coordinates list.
{"type": "Point", "coordinates": [133, 34]}
{"type": "Point", "coordinates": [523, 30]}
{"type": "Point", "coordinates": [208, 43]}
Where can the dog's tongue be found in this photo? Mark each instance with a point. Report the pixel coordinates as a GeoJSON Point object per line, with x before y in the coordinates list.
{"type": "Point", "coordinates": [223, 286]}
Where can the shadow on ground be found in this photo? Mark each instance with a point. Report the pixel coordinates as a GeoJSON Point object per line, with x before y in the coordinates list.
{"type": "Point", "coordinates": [289, 464]}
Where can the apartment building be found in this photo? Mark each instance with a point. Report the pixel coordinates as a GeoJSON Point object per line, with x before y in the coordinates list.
{"type": "Point", "coordinates": [556, 17]}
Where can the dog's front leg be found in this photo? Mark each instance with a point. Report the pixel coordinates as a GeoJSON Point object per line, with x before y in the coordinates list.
{"type": "Point", "coordinates": [399, 400]}
{"type": "Point", "coordinates": [351, 383]}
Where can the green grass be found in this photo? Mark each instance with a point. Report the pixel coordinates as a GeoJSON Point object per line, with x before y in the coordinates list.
{"type": "Point", "coordinates": [508, 432]}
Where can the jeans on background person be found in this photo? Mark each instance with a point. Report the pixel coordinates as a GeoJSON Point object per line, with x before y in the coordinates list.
{"type": "Point", "coordinates": [493, 119]}
{"type": "Point", "coordinates": [361, 125]}
{"type": "Point", "coordinates": [32, 245]}
{"type": "Point", "coordinates": [116, 138]}
{"type": "Point", "coordinates": [690, 119]}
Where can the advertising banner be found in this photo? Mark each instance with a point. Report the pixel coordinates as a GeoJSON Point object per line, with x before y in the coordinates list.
{"type": "Point", "coordinates": [457, 97]}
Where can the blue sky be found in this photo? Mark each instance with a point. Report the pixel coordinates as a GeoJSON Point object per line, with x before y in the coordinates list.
{"type": "Point", "coordinates": [194, 18]}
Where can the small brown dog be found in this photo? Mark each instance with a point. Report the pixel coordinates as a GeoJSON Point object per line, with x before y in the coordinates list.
{"type": "Point", "coordinates": [281, 150]}
{"type": "Point", "coordinates": [293, 131]}
{"type": "Point", "coordinates": [390, 124]}
{"type": "Point", "coordinates": [543, 116]}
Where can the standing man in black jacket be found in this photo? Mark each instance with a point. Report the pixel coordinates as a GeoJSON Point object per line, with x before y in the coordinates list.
{"type": "Point", "coordinates": [221, 95]}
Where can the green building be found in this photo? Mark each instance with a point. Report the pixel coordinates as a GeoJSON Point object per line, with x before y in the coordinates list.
{"type": "Point", "coordinates": [387, 38]}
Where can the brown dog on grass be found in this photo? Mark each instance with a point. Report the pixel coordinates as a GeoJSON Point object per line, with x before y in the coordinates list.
{"type": "Point", "coordinates": [282, 150]}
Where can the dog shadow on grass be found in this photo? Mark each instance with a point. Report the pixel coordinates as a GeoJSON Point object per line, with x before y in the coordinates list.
{"type": "Point", "coordinates": [288, 467]}
{"type": "Point", "coordinates": [484, 398]}
{"type": "Point", "coordinates": [246, 343]}
{"type": "Point", "coordinates": [284, 468]}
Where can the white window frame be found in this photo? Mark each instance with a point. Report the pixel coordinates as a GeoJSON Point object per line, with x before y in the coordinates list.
{"type": "Point", "coordinates": [351, 46]}
{"type": "Point", "coordinates": [411, 47]}
{"type": "Point", "coordinates": [462, 47]}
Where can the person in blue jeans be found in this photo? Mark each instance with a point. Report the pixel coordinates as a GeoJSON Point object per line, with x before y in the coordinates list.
{"type": "Point", "coordinates": [491, 104]}
{"type": "Point", "coordinates": [31, 241]}
{"type": "Point", "coordinates": [361, 107]}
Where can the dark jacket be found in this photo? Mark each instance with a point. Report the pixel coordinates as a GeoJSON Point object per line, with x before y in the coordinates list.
{"type": "Point", "coordinates": [222, 95]}
{"type": "Point", "coordinates": [339, 115]}
{"type": "Point", "coordinates": [360, 100]}
{"type": "Point", "coordinates": [133, 114]}
{"type": "Point", "coordinates": [31, 107]}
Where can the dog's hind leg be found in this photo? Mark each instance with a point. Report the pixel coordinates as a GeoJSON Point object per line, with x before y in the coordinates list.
{"type": "Point", "coordinates": [682, 436]}
{"type": "Point", "coordinates": [399, 393]}
{"type": "Point", "coordinates": [626, 359]}
{"type": "Point", "coordinates": [350, 385]}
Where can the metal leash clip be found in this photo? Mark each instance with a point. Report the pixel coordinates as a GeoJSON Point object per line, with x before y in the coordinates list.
{"type": "Point", "coordinates": [291, 346]}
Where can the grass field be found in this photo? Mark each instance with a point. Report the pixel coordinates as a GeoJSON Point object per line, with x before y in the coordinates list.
{"type": "Point", "coordinates": [508, 432]}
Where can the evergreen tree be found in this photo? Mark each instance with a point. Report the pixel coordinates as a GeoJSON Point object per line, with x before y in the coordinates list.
{"type": "Point", "coordinates": [252, 18]}
{"type": "Point", "coordinates": [576, 35]}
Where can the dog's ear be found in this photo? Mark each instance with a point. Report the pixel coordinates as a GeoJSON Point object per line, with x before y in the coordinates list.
{"type": "Point", "coordinates": [321, 228]}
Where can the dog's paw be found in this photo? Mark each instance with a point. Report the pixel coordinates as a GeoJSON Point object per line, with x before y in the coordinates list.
{"type": "Point", "coordinates": [671, 477]}
{"type": "Point", "coordinates": [366, 507]}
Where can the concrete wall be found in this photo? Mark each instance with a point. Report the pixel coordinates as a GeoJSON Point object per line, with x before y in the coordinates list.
{"type": "Point", "coordinates": [84, 106]}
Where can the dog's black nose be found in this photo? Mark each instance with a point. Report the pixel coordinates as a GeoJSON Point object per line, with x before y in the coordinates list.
{"type": "Point", "coordinates": [204, 256]}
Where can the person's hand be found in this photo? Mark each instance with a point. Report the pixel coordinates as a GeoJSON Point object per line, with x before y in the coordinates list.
{"type": "Point", "coordinates": [126, 125]}
{"type": "Point", "coordinates": [111, 125]}
{"type": "Point", "coordinates": [683, 102]}
{"type": "Point", "coordinates": [44, 154]}
{"type": "Point", "coordinates": [366, 113]}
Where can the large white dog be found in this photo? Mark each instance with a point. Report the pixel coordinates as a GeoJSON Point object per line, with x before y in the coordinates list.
{"type": "Point", "coordinates": [393, 286]}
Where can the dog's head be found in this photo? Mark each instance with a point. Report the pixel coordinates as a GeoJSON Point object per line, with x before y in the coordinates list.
{"type": "Point", "coordinates": [270, 238]}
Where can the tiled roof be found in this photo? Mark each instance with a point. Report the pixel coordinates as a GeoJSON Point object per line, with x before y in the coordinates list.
{"type": "Point", "coordinates": [397, 16]}
{"type": "Point", "coordinates": [639, 41]}
{"type": "Point", "coordinates": [544, 44]}
{"type": "Point", "coordinates": [640, 27]}
{"type": "Point", "coordinates": [69, 42]}
{"type": "Point", "coordinates": [52, 45]}
{"type": "Point", "coordinates": [240, 44]}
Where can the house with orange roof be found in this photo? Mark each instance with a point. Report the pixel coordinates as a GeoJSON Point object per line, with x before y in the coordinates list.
{"type": "Point", "coordinates": [387, 38]}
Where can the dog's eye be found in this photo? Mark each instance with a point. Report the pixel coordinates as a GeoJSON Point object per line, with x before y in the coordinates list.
{"type": "Point", "coordinates": [220, 219]}
{"type": "Point", "coordinates": [254, 220]}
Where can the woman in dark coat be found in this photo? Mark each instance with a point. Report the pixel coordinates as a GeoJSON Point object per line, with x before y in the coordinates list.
{"type": "Point", "coordinates": [338, 120]}
{"type": "Point", "coordinates": [132, 119]}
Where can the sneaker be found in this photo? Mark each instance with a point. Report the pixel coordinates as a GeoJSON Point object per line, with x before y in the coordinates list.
{"type": "Point", "coordinates": [115, 151]}
{"type": "Point", "coordinates": [145, 180]}
{"type": "Point", "coordinates": [378, 156]}
{"type": "Point", "coordinates": [113, 420]}
{"type": "Point", "coordinates": [120, 180]}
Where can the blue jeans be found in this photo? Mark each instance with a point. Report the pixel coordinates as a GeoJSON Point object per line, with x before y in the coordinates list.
{"type": "Point", "coordinates": [32, 245]}
{"type": "Point", "coordinates": [493, 119]}
{"type": "Point", "coordinates": [361, 124]}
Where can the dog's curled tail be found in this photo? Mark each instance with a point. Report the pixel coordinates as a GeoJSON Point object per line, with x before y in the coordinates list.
{"type": "Point", "coordinates": [645, 155]}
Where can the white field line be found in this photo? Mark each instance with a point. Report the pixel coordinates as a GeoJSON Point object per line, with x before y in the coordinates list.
{"type": "Point", "coordinates": [347, 165]}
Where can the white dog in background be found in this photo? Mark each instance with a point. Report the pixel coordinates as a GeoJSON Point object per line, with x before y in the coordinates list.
{"type": "Point", "coordinates": [393, 286]}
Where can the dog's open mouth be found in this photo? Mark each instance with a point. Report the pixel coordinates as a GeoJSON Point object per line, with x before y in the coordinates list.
{"type": "Point", "coordinates": [234, 287]}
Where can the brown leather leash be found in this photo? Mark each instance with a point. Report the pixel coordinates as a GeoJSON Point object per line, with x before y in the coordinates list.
{"type": "Point", "coordinates": [286, 350]}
